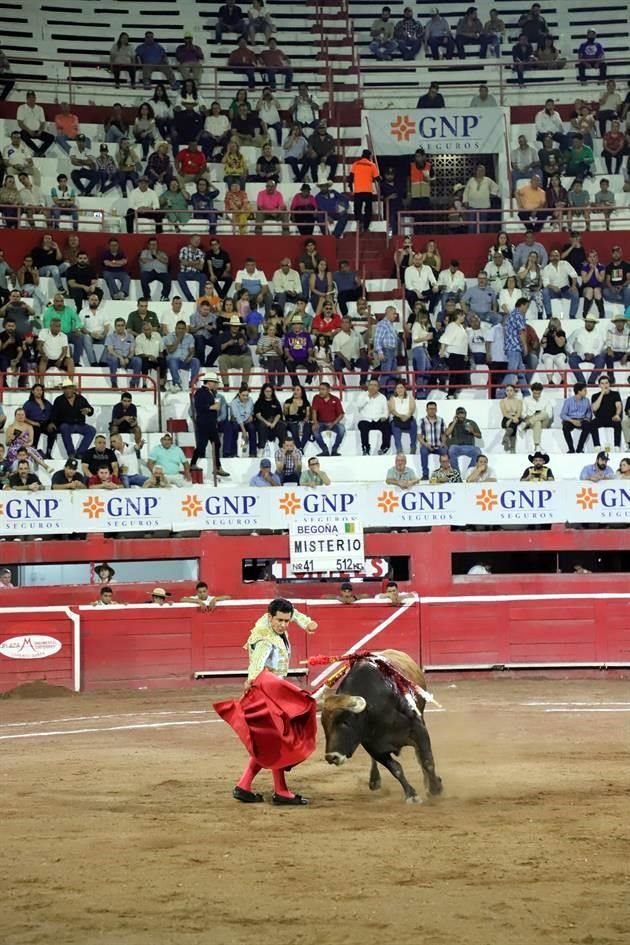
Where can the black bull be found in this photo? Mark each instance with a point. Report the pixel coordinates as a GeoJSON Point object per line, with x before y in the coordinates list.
{"type": "Point", "coordinates": [368, 710]}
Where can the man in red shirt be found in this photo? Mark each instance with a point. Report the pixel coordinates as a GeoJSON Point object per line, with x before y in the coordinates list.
{"type": "Point", "coordinates": [191, 164]}
{"type": "Point", "coordinates": [328, 322]}
{"type": "Point", "coordinates": [276, 63]}
{"type": "Point", "coordinates": [104, 480]}
{"type": "Point", "coordinates": [243, 61]}
{"type": "Point", "coordinates": [327, 415]}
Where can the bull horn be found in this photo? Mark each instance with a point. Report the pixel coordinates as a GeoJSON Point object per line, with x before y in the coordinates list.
{"type": "Point", "coordinates": [356, 704]}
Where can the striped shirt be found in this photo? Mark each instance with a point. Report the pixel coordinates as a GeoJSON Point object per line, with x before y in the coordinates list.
{"type": "Point", "coordinates": [432, 431]}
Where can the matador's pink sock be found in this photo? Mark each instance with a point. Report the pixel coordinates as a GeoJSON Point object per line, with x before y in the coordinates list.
{"type": "Point", "coordinates": [249, 774]}
{"type": "Point", "coordinates": [280, 782]}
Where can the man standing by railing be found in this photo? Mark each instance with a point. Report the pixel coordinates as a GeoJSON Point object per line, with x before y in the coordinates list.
{"type": "Point", "coordinates": [364, 176]}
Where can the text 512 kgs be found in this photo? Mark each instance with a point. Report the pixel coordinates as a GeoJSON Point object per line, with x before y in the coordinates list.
{"type": "Point", "coordinates": [341, 564]}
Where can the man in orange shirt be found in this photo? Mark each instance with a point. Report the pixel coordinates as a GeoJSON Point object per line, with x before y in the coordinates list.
{"type": "Point", "coordinates": [67, 127]}
{"type": "Point", "coordinates": [532, 200]}
{"type": "Point", "coordinates": [363, 176]}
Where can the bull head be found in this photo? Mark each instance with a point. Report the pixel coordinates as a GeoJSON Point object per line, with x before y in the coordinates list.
{"type": "Point", "coordinates": [340, 719]}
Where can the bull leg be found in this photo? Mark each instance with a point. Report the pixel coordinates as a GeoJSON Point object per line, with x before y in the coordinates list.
{"type": "Point", "coordinates": [375, 777]}
{"type": "Point", "coordinates": [395, 768]}
{"type": "Point", "coordinates": [424, 754]}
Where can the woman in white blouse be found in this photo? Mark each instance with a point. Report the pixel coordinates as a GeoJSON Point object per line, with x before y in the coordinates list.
{"type": "Point", "coordinates": [402, 410]}
{"type": "Point", "coordinates": [509, 296]}
{"type": "Point", "coordinates": [268, 112]}
{"type": "Point", "coordinates": [217, 133]}
{"type": "Point", "coordinates": [454, 347]}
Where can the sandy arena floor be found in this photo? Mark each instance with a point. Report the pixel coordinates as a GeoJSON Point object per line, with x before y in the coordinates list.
{"type": "Point", "coordinates": [125, 833]}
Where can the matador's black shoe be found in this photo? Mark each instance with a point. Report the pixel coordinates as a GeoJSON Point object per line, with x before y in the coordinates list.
{"type": "Point", "coordinates": [281, 800]}
{"type": "Point", "coordinates": [247, 797]}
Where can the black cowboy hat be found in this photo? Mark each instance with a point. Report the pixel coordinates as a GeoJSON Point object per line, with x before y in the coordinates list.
{"type": "Point", "coordinates": [538, 455]}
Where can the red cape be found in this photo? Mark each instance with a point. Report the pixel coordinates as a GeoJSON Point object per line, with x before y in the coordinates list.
{"type": "Point", "coordinates": [275, 720]}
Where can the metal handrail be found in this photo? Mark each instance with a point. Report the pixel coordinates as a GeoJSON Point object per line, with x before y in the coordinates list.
{"type": "Point", "coordinates": [493, 216]}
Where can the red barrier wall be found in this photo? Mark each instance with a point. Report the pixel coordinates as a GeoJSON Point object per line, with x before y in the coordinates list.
{"type": "Point", "coordinates": [55, 669]}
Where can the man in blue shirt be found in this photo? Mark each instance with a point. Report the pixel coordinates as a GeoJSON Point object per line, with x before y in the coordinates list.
{"type": "Point", "coordinates": [576, 414]}
{"type": "Point", "coordinates": [120, 347]}
{"type": "Point", "coordinates": [335, 205]}
{"type": "Point", "coordinates": [152, 58]}
{"type": "Point", "coordinates": [180, 351]}
{"type": "Point", "coordinates": [591, 56]}
{"type": "Point", "coordinates": [481, 299]}
{"type": "Point", "coordinates": [265, 477]}
{"type": "Point", "coordinates": [599, 470]}
{"type": "Point", "coordinates": [386, 342]}
{"type": "Point", "coordinates": [515, 342]}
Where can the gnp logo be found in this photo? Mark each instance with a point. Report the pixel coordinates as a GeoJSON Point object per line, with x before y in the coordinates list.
{"type": "Point", "coordinates": [34, 647]}
{"type": "Point", "coordinates": [29, 509]}
{"type": "Point", "coordinates": [533, 502]}
{"type": "Point", "coordinates": [587, 498]}
{"type": "Point", "coordinates": [402, 128]}
{"type": "Point", "coordinates": [131, 508]}
{"type": "Point", "coordinates": [432, 504]}
{"type": "Point", "coordinates": [219, 505]}
{"type": "Point", "coordinates": [317, 503]}
{"type": "Point", "coordinates": [613, 502]}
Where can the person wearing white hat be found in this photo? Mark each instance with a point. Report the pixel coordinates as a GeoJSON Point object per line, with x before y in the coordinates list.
{"type": "Point", "coordinates": [586, 345]}
{"type": "Point", "coordinates": [159, 596]}
{"type": "Point", "coordinates": [234, 351]}
{"type": "Point", "coordinates": [206, 415]}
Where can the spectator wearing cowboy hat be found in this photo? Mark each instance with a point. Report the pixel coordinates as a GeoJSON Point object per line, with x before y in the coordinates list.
{"type": "Point", "coordinates": [207, 406]}
{"type": "Point", "coordinates": [234, 351]}
{"type": "Point", "coordinates": [298, 351]}
{"type": "Point", "coordinates": [539, 471]}
{"type": "Point", "coordinates": [159, 596]}
{"type": "Point", "coordinates": [104, 573]}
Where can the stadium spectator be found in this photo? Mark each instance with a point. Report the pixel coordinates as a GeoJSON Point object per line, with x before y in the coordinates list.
{"type": "Point", "coordinates": [461, 434]}
{"type": "Point", "coordinates": [94, 328]}
{"type": "Point", "coordinates": [385, 346]}
{"type": "Point", "coordinates": [383, 45]}
{"type": "Point", "coordinates": [333, 207]}
{"type": "Point", "coordinates": [548, 121]}
{"type": "Point", "coordinates": [125, 419]}
{"type": "Point", "coordinates": [295, 150]}
{"type": "Point", "coordinates": [275, 62]}
{"type": "Point", "coordinates": [408, 34]}
{"type": "Point", "coordinates": [549, 160]}
{"type": "Point", "coordinates": [373, 412]}
{"type": "Point", "coordinates": [180, 355]}
{"type": "Point", "coordinates": [297, 416]}
{"type": "Point", "coordinates": [522, 56]}
{"type": "Point", "coordinates": [64, 202]}
{"type": "Point", "coordinates": [298, 350]}
{"type": "Point", "coordinates": [469, 30]}
{"type": "Point", "coordinates": [599, 470]}
{"type": "Point", "coordinates": [401, 475]}
{"type": "Point", "coordinates": [314, 476]}
{"type": "Point", "coordinates": [192, 261]}
{"type": "Point", "coordinates": [477, 198]}
{"type": "Point", "coordinates": [511, 408]}
{"type": "Point", "coordinates": [53, 349]}
{"type": "Point", "coordinates": [9, 200]}
{"type": "Point", "coordinates": [98, 456]}
{"type": "Point", "coordinates": [47, 257]}
{"type": "Point", "coordinates": [267, 165]}
{"type": "Point", "coordinates": [171, 460]}
{"type": "Point", "coordinates": [203, 598]}
{"type": "Point", "coordinates": [610, 106]}
{"type": "Point", "coordinates": [115, 266]}
{"type": "Point", "coordinates": [19, 160]}
{"type": "Point", "coordinates": [483, 99]}
{"type": "Point", "coordinates": [38, 412]}
{"type": "Point", "coordinates": [420, 283]}
{"type": "Point", "coordinates": [23, 480]}
{"type": "Point", "coordinates": [498, 270]}
{"type": "Point", "coordinates": [243, 61]}
{"type": "Point", "coordinates": [402, 411]}
{"type": "Point", "coordinates": [604, 201]}
{"type": "Point", "coordinates": [230, 19]}
{"type": "Point", "coordinates": [219, 267]}
{"type": "Point", "coordinates": [617, 344]}
{"type": "Point", "coordinates": [32, 124]}
{"type": "Point", "coordinates": [481, 472]}
{"type": "Point", "coordinates": [614, 147]}
{"type": "Point", "coordinates": [234, 353]}
{"type": "Point", "coordinates": [320, 155]}
{"type": "Point", "coordinates": [348, 352]}
{"type": "Point", "coordinates": [150, 351]}
{"type": "Point", "coordinates": [190, 59]}
{"type": "Point", "coordinates": [143, 203]}
{"type": "Point", "coordinates": [522, 252]}
{"type": "Point", "coordinates": [268, 415]}
{"type": "Point", "coordinates": [31, 200]}
{"type": "Point", "coordinates": [286, 286]}
{"type": "Point", "coordinates": [363, 177]}
{"type": "Point", "coordinates": [153, 264]}
{"type": "Point", "coordinates": [67, 127]}
{"type": "Point", "coordinates": [120, 353]}
{"type": "Point", "coordinates": [536, 414]}
{"type": "Point", "coordinates": [259, 21]}
{"type": "Point", "coordinates": [454, 349]}
{"type": "Point", "coordinates": [152, 57]}
{"type": "Point", "coordinates": [624, 469]}
{"type": "Point", "coordinates": [494, 29]}
{"type": "Point", "coordinates": [539, 471]}
{"type": "Point", "coordinates": [532, 200]}
{"type": "Point", "coordinates": [586, 345]}
{"type": "Point", "coordinates": [328, 415]}
{"type": "Point", "coordinates": [445, 472]}
{"type": "Point", "coordinates": [431, 99]}
{"type": "Point", "coordinates": [304, 110]}
{"type": "Point", "coordinates": [607, 411]}
{"type": "Point", "coordinates": [128, 164]}
{"type": "Point", "coordinates": [437, 33]}
{"type": "Point", "coordinates": [559, 281]}
{"type": "Point", "coordinates": [431, 437]}
{"type": "Point", "coordinates": [115, 125]}
{"type": "Point", "coordinates": [451, 283]}
{"type": "Point", "coordinates": [591, 55]}
{"type": "Point", "coordinates": [265, 477]}
{"type": "Point", "coordinates": [6, 80]}
{"type": "Point", "coordinates": [70, 411]}
{"type": "Point", "coordinates": [578, 160]}
{"type": "Point", "coordinates": [592, 276]}
{"type": "Point", "coordinates": [533, 25]}
{"type": "Point", "coordinates": [288, 461]}
{"type": "Point", "coordinates": [68, 478]}
{"type": "Point", "coordinates": [617, 283]}
{"type": "Point", "coordinates": [122, 58]}
{"type": "Point", "coordinates": [270, 205]}
{"type": "Point", "coordinates": [327, 322]}
{"type": "Point", "coordinates": [103, 479]}
{"type": "Point", "coordinates": [82, 159]}
{"type": "Point", "coordinates": [576, 414]}
{"type": "Point", "coordinates": [240, 426]}
{"type": "Point", "coordinates": [481, 299]}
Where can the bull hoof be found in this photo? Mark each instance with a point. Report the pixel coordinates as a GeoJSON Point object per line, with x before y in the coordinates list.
{"type": "Point", "coordinates": [414, 799]}
{"type": "Point", "coordinates": [436, 787]}
{"type": "Point", "coordinates": [375, 785]}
